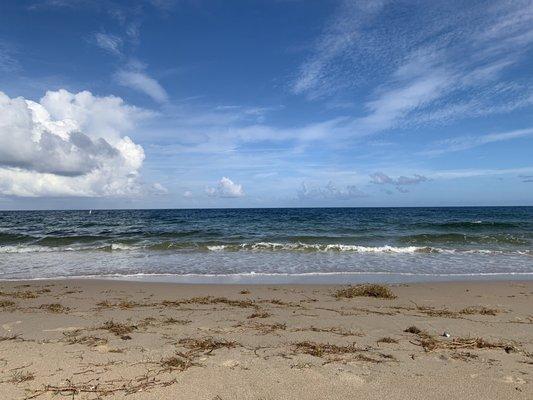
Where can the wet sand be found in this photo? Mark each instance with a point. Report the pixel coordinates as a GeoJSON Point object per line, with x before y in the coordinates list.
{"type": "Point", "coordinates": [90, 339]}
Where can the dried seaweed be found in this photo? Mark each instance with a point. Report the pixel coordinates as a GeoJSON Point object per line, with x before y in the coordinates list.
{"type": "Point", "coordinates": [25, 294]}
{"type": "Point", "coordinates": [334, 329]}
{"type": "Point", "coordinates": [322, 349]}
{"type": "Point", "coordinates": [141, 384]}
{"type": "Point", "coordinates": [91, 341]}
{"type": "Point", "coordinates": [259, 314]}
{"type": "Point", "coordinates": [430, 343]}
{"type": "Point", "coordinates": [479, 310]}
{"type": "Point", "coordinates": [366, 290]}
{"type": "Point", "coordinates": [206, 345]}
{"type": "Point", "coordinates": [387, 340]}
{"type": "Point", "coordinates": [7, 303]}
{"type": "Point", "coordinates": [55, 308]}
{"type": "Point", "coordinates": [180, 363]}
{"type": "Point", "coordinates": [171, 321]}
{"type": "Point", "coordinates": [413, 329]}
{"type": "Point", "coordinates": [268, 328]}
{"type": "Point", "coordinates": [117, 328]}
{"type": "Point", "coordinates": [21, 376]}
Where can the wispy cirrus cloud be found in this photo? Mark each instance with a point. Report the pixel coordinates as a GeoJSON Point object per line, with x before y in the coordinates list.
{"type": "Point", "coordinates": [467, 142]}
{"type": "Point", "coordinates": [335, 45]}
{"type": "Point", "coordinates": [140, 81]}
{"type": "Point", "coordinates": [8, 63]}
{"type": "Point", "coordinates": [123, 42]}
{"type": "Point", "coordinates": [427, 64]}
{"type": "Point", "coordinates": [108, 42]}
{"type": "Point", "coordinates": [472, 173]}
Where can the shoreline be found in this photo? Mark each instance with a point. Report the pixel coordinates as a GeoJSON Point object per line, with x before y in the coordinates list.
{"type": "Point", "coordinates": [313, 278]}
{"type": "Point", "coordinates": [92, 339]}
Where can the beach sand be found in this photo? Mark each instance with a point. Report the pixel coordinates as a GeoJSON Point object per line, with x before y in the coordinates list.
{"type": "Point", "coordinates": [89, 339]}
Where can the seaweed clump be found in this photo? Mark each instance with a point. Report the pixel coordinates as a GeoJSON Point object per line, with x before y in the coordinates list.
{"type": "Point", "coordinates": [366, 290]}
{"type": "Point", "coordinates": [333, 352]}
{"type": "Point", "coordinates": [55, 308]}
{"type": "Point", "coordinates": [259, 314]}
{"type": "Point", "coordinates": [387, 340]}
{"type": "Point", "coordinates": [413, 329]}
{"type": "Point", "coordinates": [119, 329]}
{"type": "Point", "coordinates": [179, 363]}
{"type": "Point", "coordinates": [6, 303]}
{"type": "Point", "coordinates": [206, 345]}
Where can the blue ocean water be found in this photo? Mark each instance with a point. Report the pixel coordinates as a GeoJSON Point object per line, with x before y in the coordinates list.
{"type": "Point", "coordinates": [267, 242]}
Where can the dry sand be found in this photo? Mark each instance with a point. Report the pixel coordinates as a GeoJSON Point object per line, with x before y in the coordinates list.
{"type": "Point", "coordinates": [82, 339]}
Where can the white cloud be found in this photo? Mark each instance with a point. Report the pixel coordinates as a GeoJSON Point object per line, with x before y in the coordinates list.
{"type": "Point", "coordinates": [379, 178]}
{"type": "Point", "coordinates": [140, 81]}
{"type": "Point", "coordinates": [394, 104]}
{"type": "Point", "coordinates": [472, 173]}
{"type": "Point", "coordinates": [158, 189]}
{"type": "Point", "coordinates": [225, 188]}
{"type": "Point", "coordinates": [328, 192]}
{"type": "Point", "coordinates": [187, 194]}
{"type": "Point", "coordinates": [467, 142]}
{"type": "Point", "coordinates": [68, 145]}
{"type": "Point", "coordinates": [108, 42]}
{"type": "Point", "coordinates": [333, 47]}
{"type": "Point", "coordinates": [427, 63]}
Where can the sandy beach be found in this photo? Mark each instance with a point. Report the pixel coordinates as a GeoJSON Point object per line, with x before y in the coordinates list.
{"type": "Point", "coordinates": [89, 339]}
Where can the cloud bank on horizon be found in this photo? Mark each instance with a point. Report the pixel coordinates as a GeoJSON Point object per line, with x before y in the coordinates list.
{"type": "Point", "coordinates": [153, 105]}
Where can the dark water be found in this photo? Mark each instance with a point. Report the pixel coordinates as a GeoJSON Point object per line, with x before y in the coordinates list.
{"type": "Point", "coordinates": [419, 241]}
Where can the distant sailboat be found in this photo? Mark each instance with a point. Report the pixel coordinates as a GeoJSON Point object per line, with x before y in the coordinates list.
{"type": "Point", "coordinates": [90, 212]}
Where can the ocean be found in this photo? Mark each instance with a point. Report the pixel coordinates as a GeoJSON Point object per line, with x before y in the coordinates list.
{"type": "Point", "coordinates": [264, 245]}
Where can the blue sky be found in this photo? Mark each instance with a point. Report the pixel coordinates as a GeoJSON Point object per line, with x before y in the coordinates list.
{"type": "Point", "coordinates": [265, 103]}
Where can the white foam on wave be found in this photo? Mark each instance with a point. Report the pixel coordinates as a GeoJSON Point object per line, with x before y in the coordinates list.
{"type": "Point", "coordinates": [216, 248]}
{"type": "Point", "coordinates": [29, 249]}
{"type": "Point", "coordinates": [122, 246]}
{"type": "Point", "coordinates": [52, 249]}
{"type": "Point", "coordinates": [268, 246]}
{"type": "Point", "coordinates": [272, 246]}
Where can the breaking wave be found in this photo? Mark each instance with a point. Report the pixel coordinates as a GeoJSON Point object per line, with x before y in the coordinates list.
{"type": "Point", "coordinates": [254, 247]}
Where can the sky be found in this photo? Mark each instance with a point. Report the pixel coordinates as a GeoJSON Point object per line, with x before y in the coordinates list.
{"type": "Point", "coordinates": [265, 103]}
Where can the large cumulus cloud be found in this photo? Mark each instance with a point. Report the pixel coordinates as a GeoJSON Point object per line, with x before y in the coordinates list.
{"type": "Point", "coordinates": [68, 145]}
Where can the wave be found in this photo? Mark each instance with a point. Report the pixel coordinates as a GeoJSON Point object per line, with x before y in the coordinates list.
{"type": "Point", "coordinates": [470, 225]}
{"type": "Point", "coordinates": [460, 238]}
{"type": "Point", "coordinates": [253, 247]}
{"type": "Point", "coordinates": [28, 249]}
{"type": "Point", "coordinates": [68, 240]}
{"type": "Point", "coordinates": [9, 238]}
{"type": "Point", "coordinates": [270, 246]}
